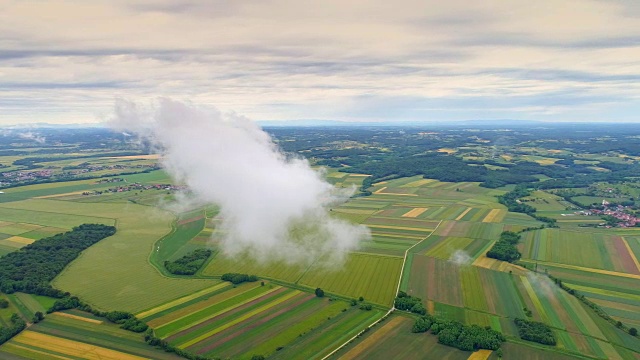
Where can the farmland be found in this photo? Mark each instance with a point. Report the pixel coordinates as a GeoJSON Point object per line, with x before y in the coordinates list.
{"type": "Point", "coordinates": [429, 238]}
{"type": "Point", "coordinates": [257, 318]}
{"type": "Point", "coordinates": [78, 335]}
{"type": "Point", "coordinates": [125, 255]}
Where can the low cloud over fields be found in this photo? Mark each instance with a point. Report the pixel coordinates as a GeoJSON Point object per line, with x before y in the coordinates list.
{"type": "Point", "coordinates": [272, 206]}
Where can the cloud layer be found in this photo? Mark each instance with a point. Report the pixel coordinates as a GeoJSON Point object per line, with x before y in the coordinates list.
{"type": "Point", "coordinates": [349, 60]}
{"type": "Point", "coordinates": [271, 206]}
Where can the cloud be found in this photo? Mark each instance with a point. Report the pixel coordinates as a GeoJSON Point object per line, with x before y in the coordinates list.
{"type": "Point", "coordinates": [461, 258]}
{"type": "Point", "coordinates": [32, 136]}
{"type": "Point", "coordinates": [319, 59]}
{"type": "Point", "coordinates": [272, 206]}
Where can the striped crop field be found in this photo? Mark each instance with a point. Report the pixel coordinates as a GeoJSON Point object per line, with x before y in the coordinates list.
{"type": "Point", "coordinates": [208, 292]}
{"type": "Point", "coordinates": [328, 336]}
{"type": "Point", "coordinates": [580, 248]}
{"type": "Point", "coordinates": [448, 247]}
{"type": "Point", "coordinates": [251, 318]}
{"type": "Point", "coordinates": [64, 337]}
{"type": "Point", "coordinates": [619, 296]}
{"type": "Point", "coordinates": [374, 277]}
{"type": "Point", "coordinates": [495, 216]}
{"type": "Point", "coordinates": [476, 295]}
{"type": "Point", "coordinates": [473, 230]}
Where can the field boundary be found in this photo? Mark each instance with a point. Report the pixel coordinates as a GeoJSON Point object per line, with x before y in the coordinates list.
{"type": "Point", "coordinates": [406, 252]}
{"type": "Point", "coordinates": [393, 307]}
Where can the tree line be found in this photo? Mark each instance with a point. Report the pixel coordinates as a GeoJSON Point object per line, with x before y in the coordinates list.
{"type": "Point", "coordinates": [237, 278]}
{"type": "Point", "coordinates": [7, 332]}
{"type": "Point", "coordinates": [126, 320]}
{"type": "Point", "coordinates": [513, 203]}
{"type": "Point", "coordinates": [31, 268]}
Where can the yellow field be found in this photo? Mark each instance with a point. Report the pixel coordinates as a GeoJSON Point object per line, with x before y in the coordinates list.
{"type": "Point", "coordinates": [463, 214]}
{"type": "Point", "coordinates": [12, 244]}
{"type": "Point", "coordinates": [447, 150]}
{"type": "Point", "coordinates": [21, 240]}
{"type": "Point", "coordinates": [379, 190]}
{"type": "Point", "coordinates": [398, 228]}
{"type": "Point", "coordinates": [60, 195]}
{"type": "Point", "coordinates": [488, 263]}
{"type": "Point", "coordinates": [495, 215]}
{"type": "Point", "coordinates": [418, 183]}
{"type": "Point", "coordinates": [71, 348]}
{"type": "Point", "coordinates": [181, 300]}
{"type": "Point", "coordinates": [480, 355]}
{"type": "Point", "coordinates": [414, 212]}
{"type": "Point", "coordinates": [76, 317]}
{"type": "Point", "coordinates": [373, 339]}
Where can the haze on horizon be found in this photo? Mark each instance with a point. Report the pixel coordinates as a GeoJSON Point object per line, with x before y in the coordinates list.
{"type": "Point", "coordinates": [574, 60]}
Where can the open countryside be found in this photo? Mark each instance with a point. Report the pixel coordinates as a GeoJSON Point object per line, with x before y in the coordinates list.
{"type": "Point", "coordinates": [431, 239]}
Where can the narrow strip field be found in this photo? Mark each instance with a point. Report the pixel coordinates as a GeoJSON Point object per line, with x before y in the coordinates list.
{"type": "Point", "coordinates": [61, 336]}
{"type": "Point", "coordinates": [238, 322]}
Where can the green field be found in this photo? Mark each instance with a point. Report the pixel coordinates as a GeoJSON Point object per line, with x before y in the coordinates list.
{"type": "Point", "coordinates": [443, 229]}
{"type": "Point", "coordinates": [130, 281]}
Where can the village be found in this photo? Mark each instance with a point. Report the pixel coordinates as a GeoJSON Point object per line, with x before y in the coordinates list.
{"type": "Point", "coordinates": [618, 215]}
{"type": "Point", "coordinates": [131, 187]}
{"type": "Point", "coordinates": [13, 178]}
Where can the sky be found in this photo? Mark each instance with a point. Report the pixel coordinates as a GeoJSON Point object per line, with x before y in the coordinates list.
{"type": "Point", "coordinates": [347, 60]}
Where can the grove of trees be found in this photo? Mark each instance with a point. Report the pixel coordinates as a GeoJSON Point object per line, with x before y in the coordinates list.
{"type": "Point", "coordinates": [505, 248]}
{"type": "Point", "coordinates": [409, 303]}
{"type": "Point", "coordinates": [455, 334]}
{"type": "Point", "coordinates": [535, 331]}
{"type": "Point", "coordinates": [189, 264]}
{"type": "Point", "coordinates": [236, 278]}
{"type": "Point", "coordinates": [31, 268]}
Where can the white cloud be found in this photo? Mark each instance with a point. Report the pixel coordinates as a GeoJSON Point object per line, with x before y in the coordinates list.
{"type": "Point", "coordinates": [271, 206]}
{"type": "Point", "coordinates": [279, 59]}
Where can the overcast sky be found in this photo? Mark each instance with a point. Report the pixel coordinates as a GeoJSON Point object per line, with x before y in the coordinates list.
{"type": "Point", "coordinates": [402, 60]}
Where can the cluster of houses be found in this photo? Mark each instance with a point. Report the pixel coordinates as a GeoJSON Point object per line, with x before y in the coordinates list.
{"type": "Point", "coordinates": [135, 187]}
{"type": "Point", "coordinates": [110, 180]}
{"type": "Point", "coordinates": [93, 168]}
{"type": "Point", "coordinates": [619, 212]}
{"type": "Point", "coordinates": [16, 176]}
